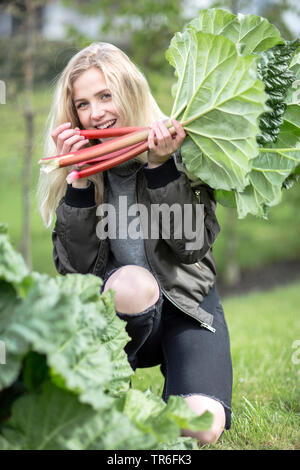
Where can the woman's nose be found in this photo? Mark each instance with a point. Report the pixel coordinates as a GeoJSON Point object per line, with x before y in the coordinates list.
{"type": "Point", "coordinates": [97, 111]}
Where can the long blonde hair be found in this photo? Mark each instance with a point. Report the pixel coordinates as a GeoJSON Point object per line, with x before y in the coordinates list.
{"type": "Point", "coordinates": [132, 96]}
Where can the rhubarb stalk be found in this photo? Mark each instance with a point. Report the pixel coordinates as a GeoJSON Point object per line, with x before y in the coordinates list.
{"type": "Point", "coordinates": [107, 164]}
{"type": "Point", "coordinates": [104, 149]}
{"type": "Point", "coordinates": [107, 157]}
{"type": "Point", "coordinates": [60, 161]}
{"type": "Point", "coordinates": [113, 132]}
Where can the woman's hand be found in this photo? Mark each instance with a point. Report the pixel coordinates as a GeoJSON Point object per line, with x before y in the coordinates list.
{"type": "Point", "coordinates": [69, 140]}
{"type": "Point", "coordinates": [162, 143]}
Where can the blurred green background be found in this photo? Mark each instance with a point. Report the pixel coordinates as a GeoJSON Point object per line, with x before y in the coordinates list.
{"type": "Point", "coordinates": [143, 29]}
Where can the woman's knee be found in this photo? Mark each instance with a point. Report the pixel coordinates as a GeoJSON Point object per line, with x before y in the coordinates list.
{"type": "Point", "coordinates": [200, 404]}
{"type": "Point", "coordinates": [135, 288]}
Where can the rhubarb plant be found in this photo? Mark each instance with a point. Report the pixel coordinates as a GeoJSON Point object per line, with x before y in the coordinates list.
{"type": "Point", "coordinates": [65, 381]}
{"type": "Point", "coordinates": [246, 143]}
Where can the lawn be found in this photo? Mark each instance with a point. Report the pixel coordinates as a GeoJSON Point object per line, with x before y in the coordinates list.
{"type": "Point", "coordinates": [266, 394]}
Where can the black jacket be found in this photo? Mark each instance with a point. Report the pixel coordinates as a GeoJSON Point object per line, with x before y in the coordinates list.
{"type": "Point", "coordinates": [185, 275]}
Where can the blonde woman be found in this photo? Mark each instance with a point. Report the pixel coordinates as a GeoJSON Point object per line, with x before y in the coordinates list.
{"type": "Point", "coordinates": [165, 286]}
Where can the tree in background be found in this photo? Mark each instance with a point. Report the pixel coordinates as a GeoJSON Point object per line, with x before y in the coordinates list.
{"type": "Point", "coordinates": [143, 28]}
{"type": "Point", "coordinates": [25, 14]}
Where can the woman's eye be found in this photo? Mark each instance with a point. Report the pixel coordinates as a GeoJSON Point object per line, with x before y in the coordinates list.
{"type": "Point", "coordinates": [106, 95]}
{"type": "Point", "coordinates": [80, 105]}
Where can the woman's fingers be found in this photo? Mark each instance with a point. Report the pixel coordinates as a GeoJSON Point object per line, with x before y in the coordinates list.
{"type": "Point", "coordinates": [60, 129]}
{"type": "Point", "coordinates": [72, 143]}
{"type": "Point", "coordinates": [180, 132]}
{"type": "Point", "coordinates": [67, 139]}
{"type": "Point", "coordinates": [151, 140]}
{"type": "Point", "coordinates": [162, 141]}
{"type": "Point", "coordinates": [160, 138]}
{"type": "Point", "coordinates": [79, 144]}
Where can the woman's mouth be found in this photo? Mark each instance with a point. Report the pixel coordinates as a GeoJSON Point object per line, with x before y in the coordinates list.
{"type": "Point", "coordinates": [107, 124]}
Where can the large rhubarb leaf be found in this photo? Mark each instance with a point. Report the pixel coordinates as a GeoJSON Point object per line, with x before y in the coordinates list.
{"type": "Point", "coordinates": [66, 320]}
{"type": "Point", "coordinates": [209, 153]}
{"type": "Point", "coordinates": [53, 419]}
{"type": "Point", "coordinates": [63, 318]}
{"type": "Point", "coordinates": [12, 266]}
{"type": "Point", "coordinates": [219, 99]}
{"type": "Point", "coordinates": [67, 342]}
{"type": "Point", "coordinates": [293, 95]}
{"type": "Point", "coordinates": [250, 33]}
{"type": "Point", "coordinates": [153, 416]}
{"type": "Point", "coordinates": [270, 170]}
{"type": "Point", "coordinates": [272, 167]}
{"type": "Point", "coordinates": [70, 323]}
{"type": "Point", "coordinates": [114, 338]}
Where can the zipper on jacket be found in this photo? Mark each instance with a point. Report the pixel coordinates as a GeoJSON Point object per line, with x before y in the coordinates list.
{"type": "Point", "coordinates": [202, 323]}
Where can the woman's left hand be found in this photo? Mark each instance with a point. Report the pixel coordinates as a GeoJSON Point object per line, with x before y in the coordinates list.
{"type": "Point", "coordinates": [162, 143]}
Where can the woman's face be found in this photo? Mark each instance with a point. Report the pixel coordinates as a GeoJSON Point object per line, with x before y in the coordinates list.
{"type": "Point", "coordinates": [94, 102]}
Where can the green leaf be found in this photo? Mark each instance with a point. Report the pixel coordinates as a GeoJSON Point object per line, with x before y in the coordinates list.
{"type": "Point", "coordinates": [114, 338]}
{"type": "Point", "coordinates": [272, 167]}
{"type": "Point", "coordinates": [35, 370]}
{"type": "Point", "coordinates": [152, 415]}
{"type": "Point", "coordinates": [224, 100]}
{"type": "Point", "coordinates": [218, 22]}
{"type": "Point", "coordinates": [53, 419]}
{"type": "Point", "coordinates": [250, 33]}
{"type": "Point", "coordinates": [12, 266]}
{"type": "Point", "coordinates": [181, 443]}
{"type": "Point", "coordinates": [64, 318]}
{"type": "Point", "coordinates": [8, 303]}
{"type": "Point", "coordinates": [293, 95]}
{"type": "Point", "coordinates": [73, 345]}
{"type": "Point", "coordinates": [5, 445]}
{"type": "Point", "coordinates": [71, 324]}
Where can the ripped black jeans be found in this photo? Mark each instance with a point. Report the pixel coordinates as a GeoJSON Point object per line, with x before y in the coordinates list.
{"type": "Point", "coordinates": [193, 359]}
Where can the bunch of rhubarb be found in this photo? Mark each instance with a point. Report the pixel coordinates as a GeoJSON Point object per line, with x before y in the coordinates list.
{"type": "Point", "coordinates": [128, 142]}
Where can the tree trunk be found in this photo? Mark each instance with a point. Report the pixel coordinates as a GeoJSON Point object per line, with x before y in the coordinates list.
{"type": "Point", "coordinates": [234, 6]}
{"type": "Point", "coordinates": [30, 33]}
{"type": "Point", "coordinates": [232, 272]}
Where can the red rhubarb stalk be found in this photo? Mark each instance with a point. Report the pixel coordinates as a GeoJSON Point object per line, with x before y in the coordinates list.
{"type": "Point", "coordinates": [105, 165]}
{"type": "Point", "coordinates": [60, 161]}
{"type": "Point", "coordinates": [113, 132]}
{"type": "Point", "coordinates": [107, 157]}
{"type": "Point", "coordinates": [118, 143]}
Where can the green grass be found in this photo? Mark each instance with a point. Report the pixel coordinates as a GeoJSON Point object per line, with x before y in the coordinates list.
{"type": "Point", "coordinates": [266, 392]}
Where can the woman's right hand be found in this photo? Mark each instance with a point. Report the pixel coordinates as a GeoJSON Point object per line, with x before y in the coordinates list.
{"type": "Point", "coordinates": [69, 140]}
